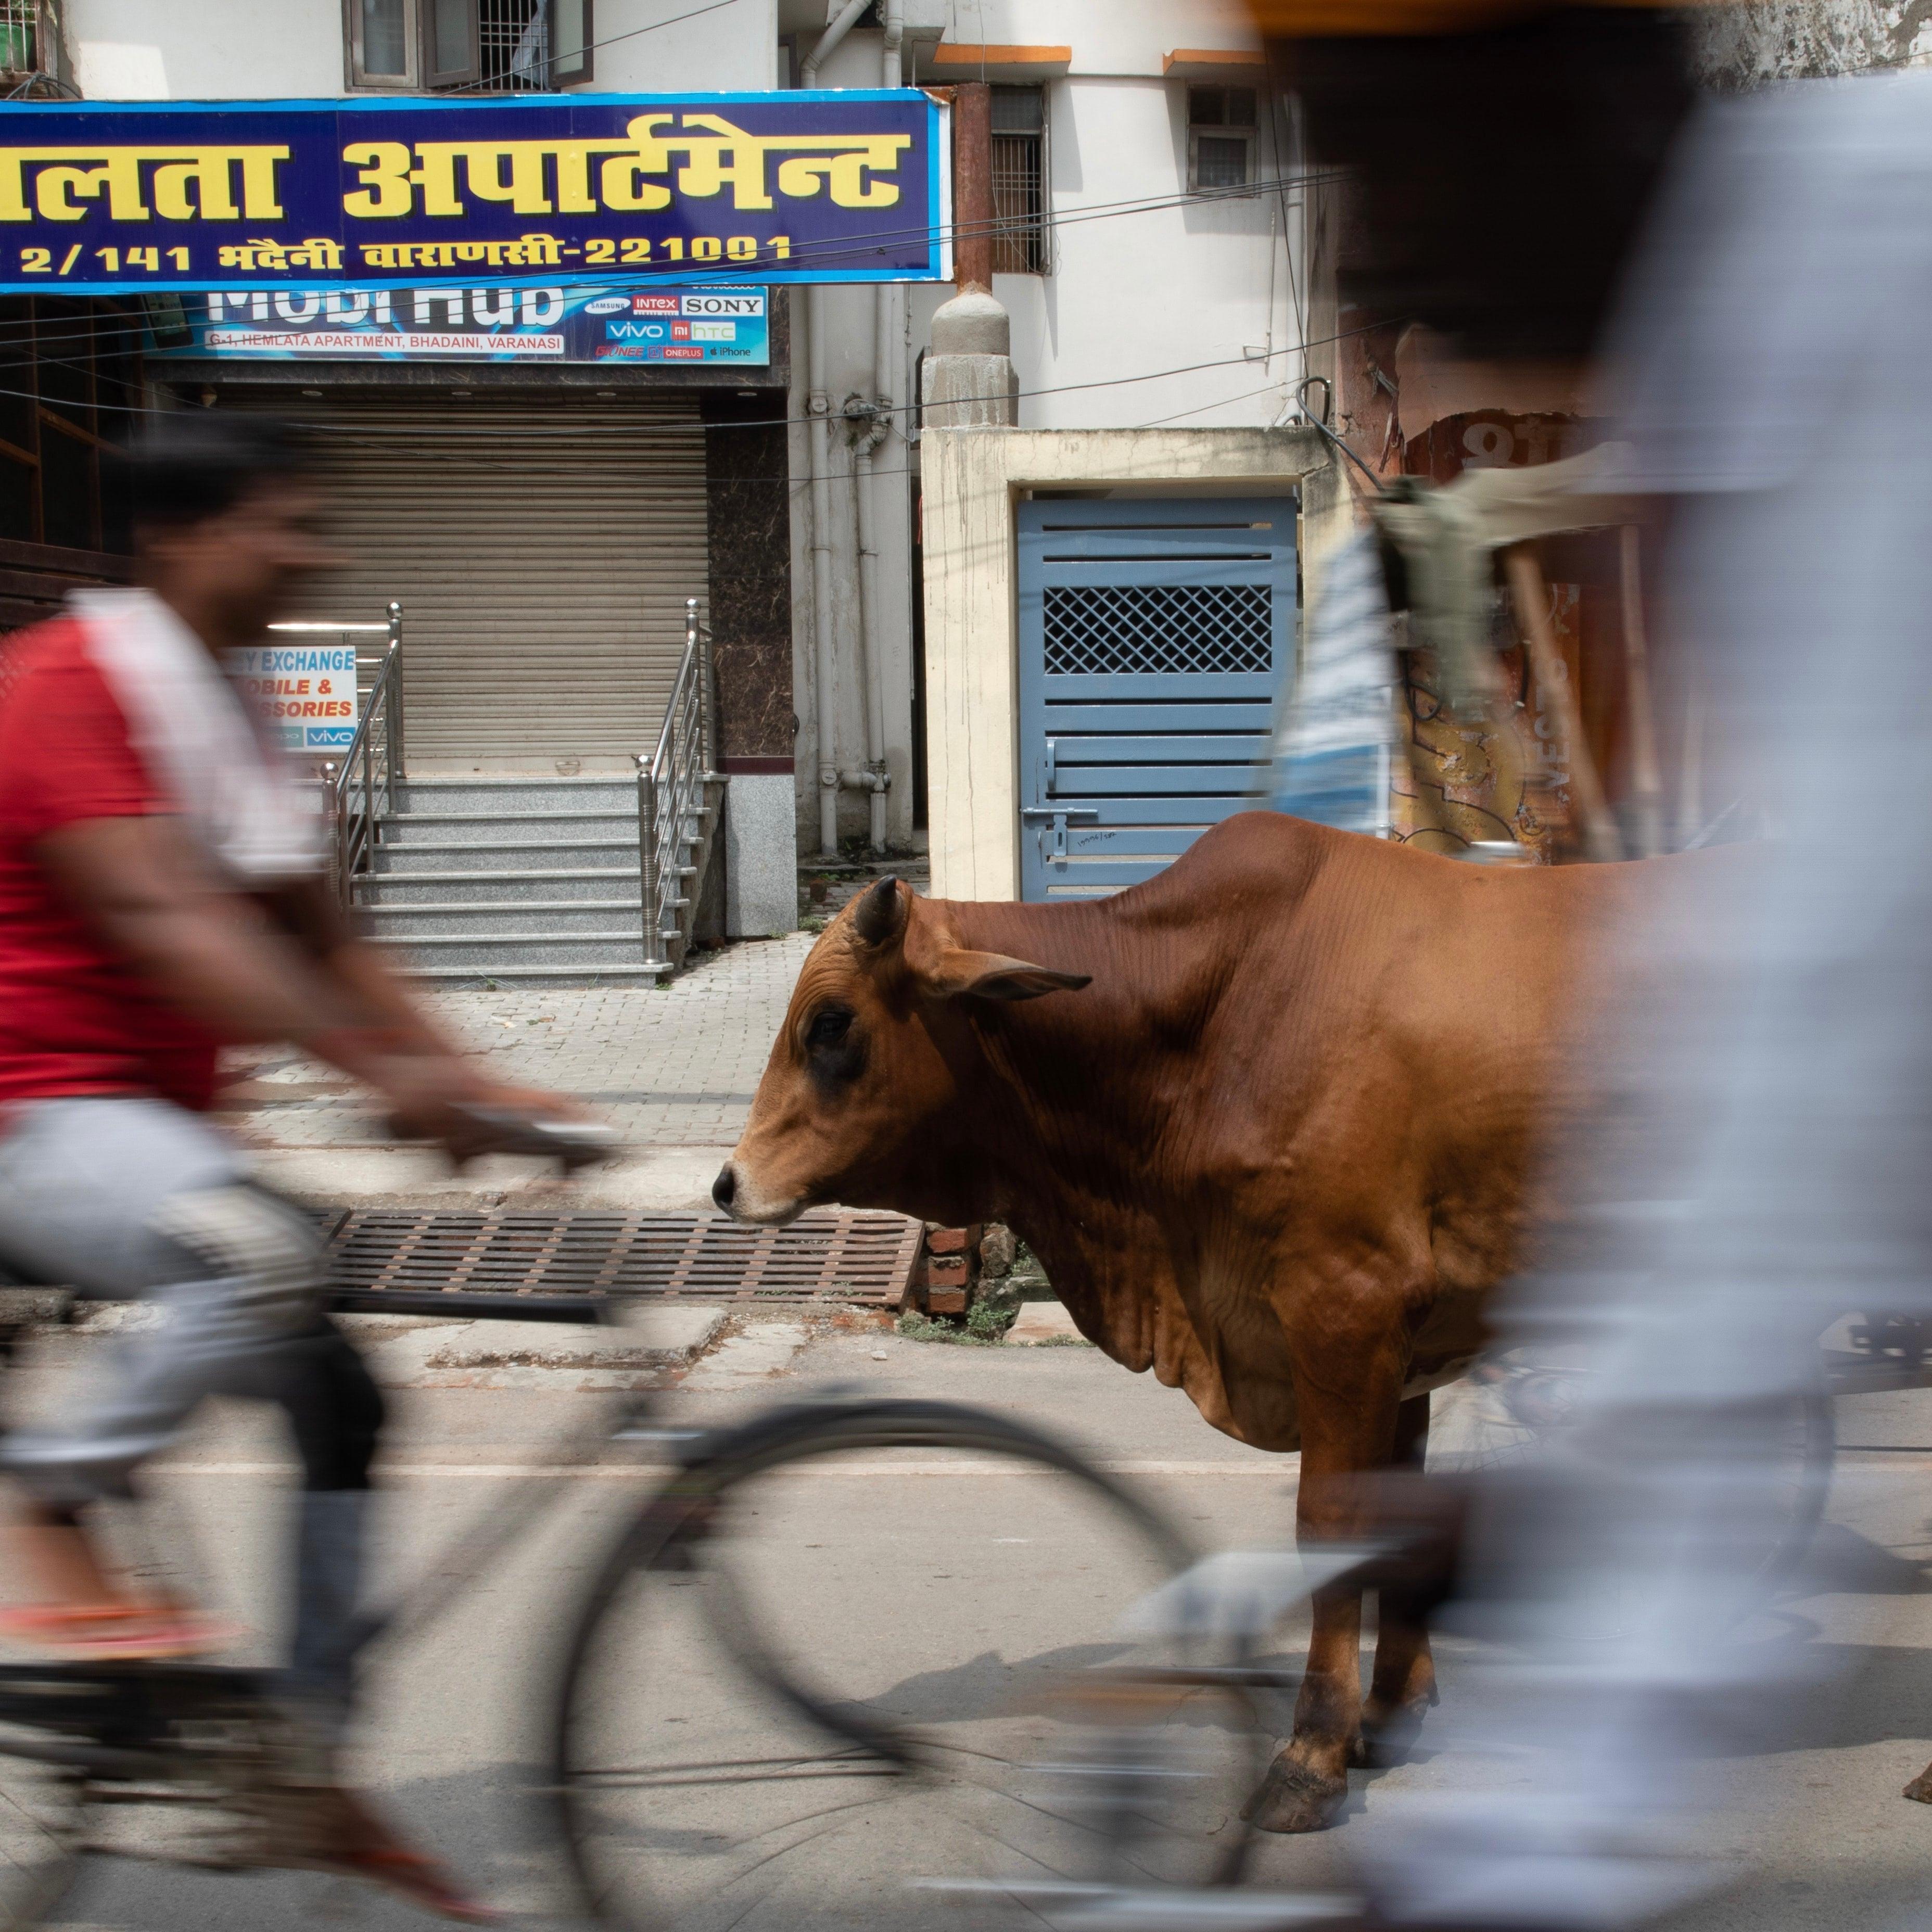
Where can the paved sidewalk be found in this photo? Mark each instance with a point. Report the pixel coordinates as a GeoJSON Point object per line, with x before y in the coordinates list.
{"type": "Point", "coordinates": [674, 1070]}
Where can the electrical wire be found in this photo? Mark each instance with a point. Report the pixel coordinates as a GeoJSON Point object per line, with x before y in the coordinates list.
{"type": "Point", "coordinates": [785, 422]}
{"type": "Point", "coordinates": [713, 271]}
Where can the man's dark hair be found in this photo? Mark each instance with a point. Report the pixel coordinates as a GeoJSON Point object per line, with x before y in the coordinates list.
{"type": "Point", "coordinates": [197, 463]}
{"type": "Point", "coordinates": [1501, 177]}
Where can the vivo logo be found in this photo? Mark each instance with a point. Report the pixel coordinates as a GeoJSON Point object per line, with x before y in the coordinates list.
{"type": "Point", "coordinates": [634, 332]}
{"type": "Point", "coordinates": [608, 305]}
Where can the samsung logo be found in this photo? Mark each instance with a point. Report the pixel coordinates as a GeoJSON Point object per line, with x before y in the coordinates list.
{"type": "Point", "coordinates": [608, 305]}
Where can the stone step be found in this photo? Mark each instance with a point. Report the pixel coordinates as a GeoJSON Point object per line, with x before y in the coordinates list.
{"type": "Point", "coordinates": [610, 945]}
{"type": "Point", "coordinates": [498, 918]}
{"type": "Point", "coordinates": [480, 886]}
{"type": "Point", "coordinates": [415, 861]}
{"type": "Point", "coordinates": [537, 977]}
{"type": "Point", "coordinates": [512, 797]}
{"type": "Point", "coordinates": [464, 828]}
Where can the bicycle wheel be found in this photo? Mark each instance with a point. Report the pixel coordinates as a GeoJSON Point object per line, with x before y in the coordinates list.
{"type": "Point", "coordinates": [42, 1805]}
{"type": "Point", "coordinates": [809, 1689]}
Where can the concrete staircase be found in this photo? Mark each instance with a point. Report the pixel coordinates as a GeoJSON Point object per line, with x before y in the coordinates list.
{"type": "Point", "coordinates": [523, 881]}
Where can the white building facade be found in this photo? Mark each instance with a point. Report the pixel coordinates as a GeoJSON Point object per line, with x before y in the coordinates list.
{"type": "Point", "coordinates": [1149, 252]}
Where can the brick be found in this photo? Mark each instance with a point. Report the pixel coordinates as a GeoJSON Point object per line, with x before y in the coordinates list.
{"type": "Point", "coordinates": [947, 1240]}
{"type": "Point", "coordinates": [946, 1271]}
{"type": "Point", "coordinates": [945, 1301]}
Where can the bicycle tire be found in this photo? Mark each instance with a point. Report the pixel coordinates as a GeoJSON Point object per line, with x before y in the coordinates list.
{"type": "Point", "coordinates": [672, 1542]}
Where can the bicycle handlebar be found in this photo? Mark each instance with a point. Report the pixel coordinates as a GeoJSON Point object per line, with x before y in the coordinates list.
{"type": "Point", "coordinates": [574, 1143]}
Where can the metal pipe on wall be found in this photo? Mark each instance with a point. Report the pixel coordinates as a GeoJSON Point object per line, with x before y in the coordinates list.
{"type": "Point", "coordinates": [827, 529]}
{"type": "Point", "coordinates": [867, 484]}
{"type": "Point", "coordinates": [818, 408]}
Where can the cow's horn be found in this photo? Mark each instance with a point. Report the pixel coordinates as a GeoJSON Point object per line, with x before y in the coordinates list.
{"type": "Point", "coordinates": [877, 918]}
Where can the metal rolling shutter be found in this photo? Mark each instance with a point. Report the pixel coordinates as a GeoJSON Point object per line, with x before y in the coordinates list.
{"type": "Point", "coordinates": [541, 550]}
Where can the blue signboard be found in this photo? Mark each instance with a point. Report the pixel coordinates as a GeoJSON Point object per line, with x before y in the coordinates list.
{"type": "Point", "coordinates": [520, 322]}
{"type": "Point", "coordinates": [849, 185]}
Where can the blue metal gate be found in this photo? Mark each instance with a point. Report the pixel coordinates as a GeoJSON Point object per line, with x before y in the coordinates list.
{"type": "Point", "coordinates": [1153, 638]}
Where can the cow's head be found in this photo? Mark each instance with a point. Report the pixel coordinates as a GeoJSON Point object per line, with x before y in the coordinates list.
{"type": "Point", "coordinates": [855, 1101]}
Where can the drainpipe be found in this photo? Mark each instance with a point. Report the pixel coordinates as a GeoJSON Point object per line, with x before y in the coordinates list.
{"type": "Point", "coordinates": [878, 420]}
{"type": "Point", "coordinates": [819, 408]}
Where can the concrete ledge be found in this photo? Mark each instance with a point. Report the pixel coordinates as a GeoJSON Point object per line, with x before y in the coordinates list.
{"type": "Point", "coordinates": [527, 1353]}
{"type": "Point", "coordinates": [1039, 1324]}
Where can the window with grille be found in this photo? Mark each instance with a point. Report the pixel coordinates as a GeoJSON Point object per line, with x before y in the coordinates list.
{"type": "Point", "coordinates": [498, 46]}
{"type": "Point", "coordinates": [1220, 137]}
{"type": "Point", "coordinates": [19, 36]}
{"type": "Point", "coordinates": [1112, 630]}
{"type": "Point", "coordinates": [1019, 180]}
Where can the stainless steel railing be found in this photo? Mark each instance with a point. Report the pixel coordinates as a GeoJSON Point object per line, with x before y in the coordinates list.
{"type": "Point", "coordinates": [365, 787]}
{"type": "Point", "coordinates": [679, 790]}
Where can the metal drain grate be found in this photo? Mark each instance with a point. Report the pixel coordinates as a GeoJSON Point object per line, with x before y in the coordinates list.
{"type": "Point", "coordinates": [829, 1255]}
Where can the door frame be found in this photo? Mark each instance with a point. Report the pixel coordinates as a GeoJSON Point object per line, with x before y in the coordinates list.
{"type": "Point", "coordinates": [971, 479]}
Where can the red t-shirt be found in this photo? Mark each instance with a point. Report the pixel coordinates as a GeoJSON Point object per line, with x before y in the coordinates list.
{"type": "Point", "coordinates": [74, 1017]}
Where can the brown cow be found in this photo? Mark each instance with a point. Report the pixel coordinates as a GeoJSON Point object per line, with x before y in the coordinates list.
{"type": "Point", "coordinates": [1272, 1147]}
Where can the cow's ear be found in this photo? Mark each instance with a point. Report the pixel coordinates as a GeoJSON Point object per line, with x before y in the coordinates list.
{"type": "Point", "coordinates": [879, 916]}
{"type": "Point", "coordinates": [962, 975]}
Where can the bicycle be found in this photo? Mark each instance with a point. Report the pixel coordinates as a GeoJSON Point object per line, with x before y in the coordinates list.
{"type": "Point", "coordinates": [1018, 1774]}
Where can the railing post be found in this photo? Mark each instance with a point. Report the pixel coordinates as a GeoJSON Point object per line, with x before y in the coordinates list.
{"type": "Point", "coordinates": [397, 767]}
{"type": "Point", "coordinates": [647, 861]}
{"type": "Point", "coordinates": [331, 821]}
{"type": "Point", "coordinates": [368, 853]}
{"type": "Point", "coordinates": [696, 645]}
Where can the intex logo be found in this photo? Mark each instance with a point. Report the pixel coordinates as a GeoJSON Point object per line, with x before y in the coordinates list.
{"type": "Point", "coordinates": [608, 305]}
{"type": "Point", "coordinates": [654, 304]}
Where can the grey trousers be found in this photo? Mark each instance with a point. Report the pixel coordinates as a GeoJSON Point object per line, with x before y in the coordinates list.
{"type": "Point", "coordinates": [137, 1199]}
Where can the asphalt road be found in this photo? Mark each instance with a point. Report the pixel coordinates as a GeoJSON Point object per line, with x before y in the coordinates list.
{"type": "Point", "coordinates": [929, 1587]}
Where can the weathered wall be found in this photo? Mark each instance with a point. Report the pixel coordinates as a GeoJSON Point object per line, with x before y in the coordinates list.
{"type": "Point", "coordinates": [1747, 46]}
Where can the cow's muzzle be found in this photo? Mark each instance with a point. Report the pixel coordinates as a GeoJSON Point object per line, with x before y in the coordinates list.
{"type": "Point", "coordinates": [740, 1197]}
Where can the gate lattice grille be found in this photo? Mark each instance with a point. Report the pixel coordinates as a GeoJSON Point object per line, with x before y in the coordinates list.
{"type": "Point", "coordinates": [1114, 630]}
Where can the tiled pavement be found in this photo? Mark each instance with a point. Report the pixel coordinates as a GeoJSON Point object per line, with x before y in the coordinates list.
{"type": "Point", "coordinates": [674, 1067]}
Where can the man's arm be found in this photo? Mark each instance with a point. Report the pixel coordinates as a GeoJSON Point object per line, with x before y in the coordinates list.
{"type": "Point", "coordinates": [139, 883]}
{"type": "Point", "coordinates": [310, 912]}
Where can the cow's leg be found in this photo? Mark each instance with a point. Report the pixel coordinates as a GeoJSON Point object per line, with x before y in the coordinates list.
{"type": "Point", "coordinates": [1344, 1432]}
{"type": "Point", "coordinates": [1404, 1685]}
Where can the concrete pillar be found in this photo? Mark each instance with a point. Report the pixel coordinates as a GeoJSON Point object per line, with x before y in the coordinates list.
{"type": "Point", "coordinates": [968, 381]}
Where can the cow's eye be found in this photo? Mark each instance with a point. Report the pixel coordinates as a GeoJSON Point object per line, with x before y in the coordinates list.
{"type": "Point", "coordinates": [829, 1027]}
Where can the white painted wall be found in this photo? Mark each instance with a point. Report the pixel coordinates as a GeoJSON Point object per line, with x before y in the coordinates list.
{"type": "Point", "coordinates": [1108, 37]}
{"type": "Point", "coordinates": [735, 48]}
{"type": "Point", "coordinates": [213, 50]}
{"type": "Point", "coordinates": [1140, 290]}
{"type": "Point", "coordinates": [230, 50]}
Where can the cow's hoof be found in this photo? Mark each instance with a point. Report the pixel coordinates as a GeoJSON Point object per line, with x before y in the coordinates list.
{"type": "Point", "coordinates": [1921, 1786]}
{"type": "Point", "coordinates": [1294, 1799]}
{"type": "Point", "coordinates": [1386, 1736]}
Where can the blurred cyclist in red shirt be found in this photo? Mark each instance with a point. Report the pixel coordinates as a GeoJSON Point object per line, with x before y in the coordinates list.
{"type": "Point", "coordinates": [163, 894]}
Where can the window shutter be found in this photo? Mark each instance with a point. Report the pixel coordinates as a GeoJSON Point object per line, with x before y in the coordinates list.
{"type": "Point", "coordinates": [452, 53]}
{"type": "Point", "coordinates": [571, 39]}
